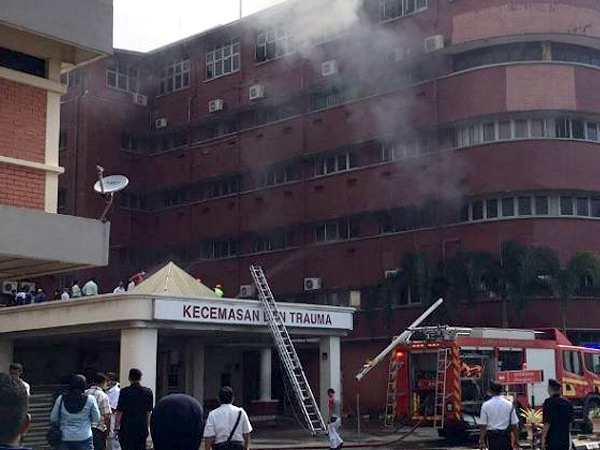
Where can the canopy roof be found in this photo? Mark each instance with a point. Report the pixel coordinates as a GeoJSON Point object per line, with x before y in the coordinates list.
{"type": "Point", "coordinates": [173, 280]}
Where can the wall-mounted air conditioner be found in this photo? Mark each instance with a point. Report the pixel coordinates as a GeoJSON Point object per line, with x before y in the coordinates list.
{"type": "Point", "coordinates": [257, 91]}
{"type": "Point", "coordinates": [160, 123]}
{"type": "Point", "coordinates": [391, 273]}
{"type": "Point", "coordinates": [247, 291]}
{"type": "Point", "coordinates": [9, 286]}
{"type": "Point", "coordinates": [329, 68]}
{"type": "Point", "coordinates": [433, 43]}
{"type": "Point", "coordinates": [215, 105]}
{"type": "Point", "coordinates": [312, 284]}
{"type": "Point", "coordinates": [140, 99]}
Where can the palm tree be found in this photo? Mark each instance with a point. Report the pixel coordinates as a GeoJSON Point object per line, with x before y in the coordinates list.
{"type": "Point", "coordinates": [510, 279]}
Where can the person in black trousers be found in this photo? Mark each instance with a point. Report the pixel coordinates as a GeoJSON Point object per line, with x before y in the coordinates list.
{"type": "Point", "coordinates": [133, 413]}
{"type": "Point", "coordinates": [558, 415]}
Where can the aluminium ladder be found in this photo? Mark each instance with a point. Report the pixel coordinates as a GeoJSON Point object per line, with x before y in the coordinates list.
{"type": "Point", "coordinates": [287, 354]}
{"type": "Point", "coordinates": [439, 410]}
{"type": "Point", "coordinates": [392, 393]}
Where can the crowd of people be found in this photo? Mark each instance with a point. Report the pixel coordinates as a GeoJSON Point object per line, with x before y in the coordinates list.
{"type": "Point", "coordinates": [90, 288]}
{"type": "Point", "coordinates": [102, 416]}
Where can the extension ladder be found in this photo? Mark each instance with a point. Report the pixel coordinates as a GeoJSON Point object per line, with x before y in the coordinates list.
{"type": "Point", "coordinates": [439, 410]}
{"type": "Point", "coordinates": [287, 353]}
{"type": "Point", "coordinates": [392, 393]}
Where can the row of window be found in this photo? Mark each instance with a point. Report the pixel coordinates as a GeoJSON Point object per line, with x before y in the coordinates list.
{"type": "Point", "coordinates": [536, 128]}
{"type": "Point", "coordinates": [531, 205]}
{"type": "Point", "coordinates": [527, 51]}
{"type": "Point", "coordinates": [392, 9]}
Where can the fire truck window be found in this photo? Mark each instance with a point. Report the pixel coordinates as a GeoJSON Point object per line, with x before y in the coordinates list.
{"type": "Point", "coordinates": [592, 362]}
{"type": "Point", "coordinates": [510, 360]}
{"type": "Point", "coordinates": [572, 362]}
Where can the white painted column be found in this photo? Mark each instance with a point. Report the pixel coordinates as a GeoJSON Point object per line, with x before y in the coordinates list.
{"type": "Point", "coordinates": [198, 371]}
{"type": "Point", "coordinates": [265, 374]}
{"type": "Point", "coordinates": [139, 348]}
{"type": "Point", "coordinates": [330, 374]}
{"type": "Point", "coordinates": [6, 354]}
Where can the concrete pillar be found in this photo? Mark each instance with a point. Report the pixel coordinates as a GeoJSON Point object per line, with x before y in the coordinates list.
{"type": "Point", "coordinates": [265, 374]}
{"type": "Point", "coordinates": [330, 374]}
{"type": "Point", "coordinates": [6, 354]}
{"type": "Point", "coordinates": [198, 371]}
{"type": "Point", "coordinates": [139, 348]}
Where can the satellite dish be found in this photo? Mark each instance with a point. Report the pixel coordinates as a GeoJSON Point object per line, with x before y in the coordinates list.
{"type": "Point", "coordinates": [111, 184]}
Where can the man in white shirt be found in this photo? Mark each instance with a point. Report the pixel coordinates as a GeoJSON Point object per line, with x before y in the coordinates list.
{"type": "Point", "coordinates": [100, 428]}
{"type": "Point", "coordinates": [16, 370]}
{"type": "Point", "coordinates": [120, 288]}
{"type": "Point", "coordinates": [113, 400]}
{"type": "Point", "coordinates": [498, 421]}
{"type": "Point", "coordinates": [90, 288]}
{"type": "Point", "coordinates": [227, 420]}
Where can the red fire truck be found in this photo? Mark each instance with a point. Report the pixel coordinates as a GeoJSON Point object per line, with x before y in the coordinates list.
{"type": "Point", "coordinates": [439, 375]}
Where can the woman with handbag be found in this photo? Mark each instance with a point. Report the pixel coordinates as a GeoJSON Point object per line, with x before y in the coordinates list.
{"type": "Point", "coordinates": [72, 416]}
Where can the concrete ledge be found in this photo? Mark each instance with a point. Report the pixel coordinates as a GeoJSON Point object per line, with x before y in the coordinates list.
{"type": "Point", "coordinates": [31, 165]}
{"type": "Point", "coordinates": [34, 243]}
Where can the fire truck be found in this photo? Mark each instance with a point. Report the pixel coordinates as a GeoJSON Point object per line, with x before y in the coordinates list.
{"type": "Point", "coordinates": [439, 375]}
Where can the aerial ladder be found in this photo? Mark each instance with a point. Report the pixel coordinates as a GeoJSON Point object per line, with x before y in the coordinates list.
{"type": "Point", "coordinates": [288, 356]}
{"type": "Point", "coordinates": [392, 393]}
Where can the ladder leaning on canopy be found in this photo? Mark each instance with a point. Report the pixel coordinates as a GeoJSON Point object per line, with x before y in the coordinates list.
{"type": "Point", "coordinates": [287, 353]}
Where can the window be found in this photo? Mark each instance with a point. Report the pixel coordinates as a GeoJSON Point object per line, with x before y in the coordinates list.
{"type": "Point", "coordinates": [175, 197]}
{"type": "Point", "coordinates": [274, 241]}
{"type": "Point", "coordinates": [508, 207]}
{"type": "Point", "coordinates": [562, 128]}
{"type": "Point", "coordinates": [578, 131]}
{"type": "Point", "coordinates": [274, 43]}
{"type": "Point", "coordinates": [595, 204]}
{"type": "Point", "coordinates": [391, 9]}
{"type": "Point", "coordinates": [499, 54]}
{"type": "Point", "coordinates": [221, 249]}
{"type": "Point", "coordinates": [572, 362]}
{"type": "Point", "coordinates": [62, 140]}
{"type": "Point", "coordinates": [492, 209]}
{"type": "Point", "coordinates": [592, 131]}
{"type": "Point", "coordinates": [174, 77]}
{"type": "Point", "coordinates": [538, 128]}
{"type": "Point", "coordinates": [278, 175]}
{"type": "Point", "coordinates": [272, 114]}
{"type": "Point", "coordinates": [22, 62]}
{"type": "Point", "coordinates": [336, 231]}
{"type": "Point", "coordinates": [524, 206]}
{"type": "Point", "coordinates": [121, 76]}
{"type": "Point", "coordinates": [521, 129]}
{"type": "Point", "coordinates": [388, 149]}
{"type": "Point", "coordinates": [329, 99]}
{"type": "Point", "coordinates": [583, 206]}
{"type": "Point", "coordinates": [489, 131]}
{"type": "Point", "coordinates": [566, 206]}
{"type": "Point", "coordinates": [71, 78]}
{"type": "Point", "coordinates": [223, 59]}
{"type": "Point", "coordinates": [334, 163]}
{"type": "Point", "coordinates": [541, 206]}
{"type": "Point", "coordinates": [504, 130]}
{"type": "Point", "coordinates": [477, 210]}
{"type": "Point", "coordinates": [592, 362]}
{"type": "Point", "coordinates": [219, 188]}
{"type": "Point", "coordinates": [214, 130]}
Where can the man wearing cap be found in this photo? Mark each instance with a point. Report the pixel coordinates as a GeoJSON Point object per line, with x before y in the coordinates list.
{"type": "Point", "coordinates": [558, 415]}
{"type": "Point", "coordinates": [498, 421]}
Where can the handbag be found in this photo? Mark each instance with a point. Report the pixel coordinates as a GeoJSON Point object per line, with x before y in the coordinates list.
{"type": "Point", "coordinates": [54, 434]}
{"type": "Point", "coordinates": [229, 444]}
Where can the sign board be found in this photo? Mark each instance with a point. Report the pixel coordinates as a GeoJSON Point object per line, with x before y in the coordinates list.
{"type": "Point", "coordinates": [251, 313]}
{"type": "Point", "coordinates": [521, 376]}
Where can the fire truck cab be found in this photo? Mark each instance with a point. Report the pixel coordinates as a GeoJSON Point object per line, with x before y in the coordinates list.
{"type": "Point", "coordinates": [440, 374]}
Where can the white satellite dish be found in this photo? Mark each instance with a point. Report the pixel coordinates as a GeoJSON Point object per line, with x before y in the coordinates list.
{"type": "Point", "coordinates": [107, 186]}
{"type": "Point", "coordinates": [111, 184]}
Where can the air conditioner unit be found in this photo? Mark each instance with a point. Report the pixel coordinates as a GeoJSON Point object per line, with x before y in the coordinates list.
{"type": "Point", "coordinates": [257, 91]}
{"type": "Point", "coordinates": [312, 284]}
{"type": "Point", "coordinates": [433, 43]}
{"type": "Point", "coordinates": [215, 105]}
{"type": "Point", "coordinates": [27, 286]}
{"type": "Point", "coordinates": [329, 68]}
{"type": "Point", "coordinates": [140, 99]}
{"type": "Point", "coordinates": [391, 273]}
{"type": "Point", "coordinates": [9, 286]}
{"type": "Point", "coordinates": [247, 291]}
{"type": "Point", "coordinates": [160, 123]}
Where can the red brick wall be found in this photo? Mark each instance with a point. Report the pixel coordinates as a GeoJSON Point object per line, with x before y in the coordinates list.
{"type": "Point", "coordinates": [22, 136]}
{"type": "Point", "coordinates": [21, 187]}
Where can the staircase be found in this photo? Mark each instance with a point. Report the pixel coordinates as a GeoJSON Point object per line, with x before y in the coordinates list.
{"type": "Point", "coordinates": [40, 404]}
{"type": "Point", "coordinates": [287, 353]}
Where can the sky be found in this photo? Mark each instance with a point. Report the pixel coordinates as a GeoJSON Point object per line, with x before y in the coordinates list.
{"type": "Point", "coordinates": [144, 25]}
